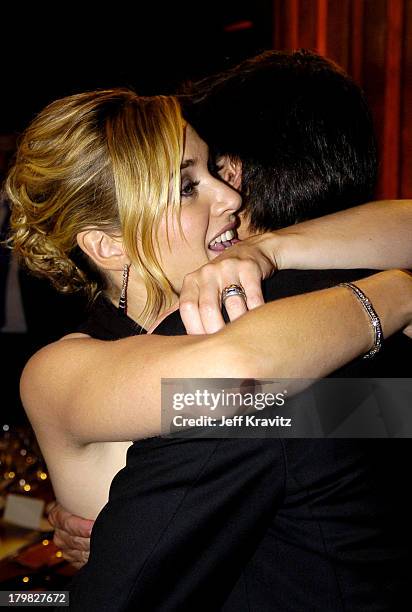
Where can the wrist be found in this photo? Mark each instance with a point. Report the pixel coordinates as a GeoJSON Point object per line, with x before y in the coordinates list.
{"type": "Point", "coordinates": [402, 294]}
{"type": "Point", "coordinates": [288, 249]}
{"type": "Point", "coordinates": [391, 293]}
{"type": "Point", "coordinates": [274, 247]}
{"type": "Point", "coordinates": [373, 316]}
{"type": "Point", "coordinates": [406, 278]}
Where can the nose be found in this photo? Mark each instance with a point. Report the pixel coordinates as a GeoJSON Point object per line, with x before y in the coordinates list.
{"type": "Point", "coordinates": [227, 200]}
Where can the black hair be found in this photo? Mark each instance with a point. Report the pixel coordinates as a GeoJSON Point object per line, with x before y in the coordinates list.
{"type": "Point", "coordinates": [300, 126]}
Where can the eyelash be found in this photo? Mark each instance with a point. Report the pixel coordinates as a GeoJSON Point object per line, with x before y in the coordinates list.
{"type": "Point", "coordinates": [192, 185]}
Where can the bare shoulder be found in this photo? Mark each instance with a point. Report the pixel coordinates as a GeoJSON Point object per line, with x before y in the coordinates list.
{"type": "Point", "coordinates": [51, 370]}
{"type": "Point", "coordinates": [54, 353]}
{"type": "Point", "coordinates": [74, 335]}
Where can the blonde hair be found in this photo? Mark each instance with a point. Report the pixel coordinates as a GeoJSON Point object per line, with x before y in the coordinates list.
{"type": "Point", "coordinates": [105, 159]}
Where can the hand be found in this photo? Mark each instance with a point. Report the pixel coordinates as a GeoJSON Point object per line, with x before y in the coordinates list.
{"type": "Point", "coordinates": [408, 331]}
{"type": "Point", "coordinates": [246, 263]}
{"type": "Point", "coordinates": [71, 535]}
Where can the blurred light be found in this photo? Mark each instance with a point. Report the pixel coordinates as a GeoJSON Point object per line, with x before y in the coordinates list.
{"type": "Point", "coordinates": [27, 487]}
{"type": "Point", "coordinates": [22, 482]}
{"type": "Point", "coordinates": [59, 554]}
{"type": "Point", "coordinates": [23, 452]}
{"type": "Point", "coordinates": [237, 26]}
{"type": "Point", "coordinates": [6, 428]}
{"type": "Point", "coordinates": [26, 579]}
{"type": "Point", "coordinates": [45, 542]}
{"type": "Point", "coordinates": [42, 475]}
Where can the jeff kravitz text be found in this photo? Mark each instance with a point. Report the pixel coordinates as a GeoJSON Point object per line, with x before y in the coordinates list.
{"type": "Point", "coordinates": [240, 420]}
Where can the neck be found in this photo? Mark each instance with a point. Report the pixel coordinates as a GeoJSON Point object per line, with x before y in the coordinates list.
{"type": "Point", "coordinates": [136, 302]}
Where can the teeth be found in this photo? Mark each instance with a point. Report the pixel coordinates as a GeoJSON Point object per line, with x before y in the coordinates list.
{"type": "Point", "coordinates": [224, 237]}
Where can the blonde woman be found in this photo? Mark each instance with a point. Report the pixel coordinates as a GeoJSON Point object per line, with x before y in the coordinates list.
{"type": "Point", "coordinates": [111, 194]}
{"type": "Point", "coordinates": [107, 180]}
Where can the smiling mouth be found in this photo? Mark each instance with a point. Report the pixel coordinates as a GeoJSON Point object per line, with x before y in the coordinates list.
{"type": "Point", "coordinates": [224, 240]}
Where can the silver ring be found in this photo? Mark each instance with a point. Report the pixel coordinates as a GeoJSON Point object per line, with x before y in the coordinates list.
{"type": "Point", "coordinates": [231, 291]}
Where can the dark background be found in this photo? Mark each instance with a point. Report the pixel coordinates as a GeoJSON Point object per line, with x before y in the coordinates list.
{"type": "Point", "coordinates": [50, 52]}
{"type": "Point", "coordinates": [150, 48]}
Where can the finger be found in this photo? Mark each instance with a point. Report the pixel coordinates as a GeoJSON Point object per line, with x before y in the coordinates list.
{"type": "Point", "coordinates": [77, 526]}
{"type": "Point", "coordinates": [77, 561]}
{"type": "Point", "coordinates": [58, 541]}
{"type": "Point", "coordinates": [189, 307]}
{"type": "Point", "coordinates": [253, 289]}
{"type": "Point", "coordinates": [208, 300]}
{"type": "Point", "coordinates": [68, 552]}
{"type": "Point", "coordinates": [210, 309]}
{"type": "Point", "coordinates": [81, 544]}
{"type": "Point", "coordinates": [235, 306]}
{"type": "Point", "coordinates": [78, 565]}
{"type": "Point", "coordinates": [189, 312]}
{"type": "Point", "coordinates": [52, 513]}
{"type": "Point", "coordinates": [62, 540]}
{"type": "Point", "coordinates": [74, 525]}
{"type": "Point", "coordinates": [408, 331]}
{"type": "Point", "coordinates": [69, 542]}
{"type": "Point", "coordinates": [73, 558]}
{"type": "Point", "coordinates": [50, 506]}
{"type": "Point", "coordinates": [58, 516]}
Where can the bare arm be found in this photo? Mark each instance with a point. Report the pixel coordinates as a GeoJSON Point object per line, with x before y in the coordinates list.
{"type": "Point", "coordinates": [377, 235]}
{"type": "Point", "coordinates": [97, 396]}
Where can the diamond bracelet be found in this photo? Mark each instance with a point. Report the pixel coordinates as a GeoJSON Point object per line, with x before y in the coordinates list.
{"type": "Point", "coordinates": [374, 319]}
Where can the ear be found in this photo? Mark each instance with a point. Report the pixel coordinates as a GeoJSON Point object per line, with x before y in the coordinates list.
{"type": "Point", "coordinates": [230, 171]}
{"type": "Point", "coordinates": [105, 250]}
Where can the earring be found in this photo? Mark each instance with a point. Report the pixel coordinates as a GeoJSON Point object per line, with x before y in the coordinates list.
{"type": "Point", "coordinates": [123, 294]}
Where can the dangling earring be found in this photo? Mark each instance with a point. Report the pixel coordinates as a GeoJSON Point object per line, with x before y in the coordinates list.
{"type": "Point", "coordinates": [123, 294]}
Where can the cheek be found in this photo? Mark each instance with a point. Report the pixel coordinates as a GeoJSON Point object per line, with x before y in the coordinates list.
{"type": "Point", "coordinates": [183, 256]}
{"type": "Point", "coordinates": [194, 224]}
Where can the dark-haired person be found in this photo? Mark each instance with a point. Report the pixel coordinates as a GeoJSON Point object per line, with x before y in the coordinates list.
{"type": "Point", "coordinates": [301, 128]}
{"type": "Point", "coordinates": [295, 135]}
{"type": "Point", "coordinates": [262, 524]}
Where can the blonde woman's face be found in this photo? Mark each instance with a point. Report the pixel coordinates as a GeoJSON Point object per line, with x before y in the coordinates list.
{"type": "Point", "coordinates": [207, 216]}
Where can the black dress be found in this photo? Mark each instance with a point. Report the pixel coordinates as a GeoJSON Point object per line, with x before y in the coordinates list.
{"type": "Point", "coordinates": [249, 524]}
{"type": "Point", "coordinates": [106, 323]}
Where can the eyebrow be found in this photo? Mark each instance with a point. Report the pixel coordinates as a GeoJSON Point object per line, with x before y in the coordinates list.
{"type": "Point", "coordinates": [187, 162]}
